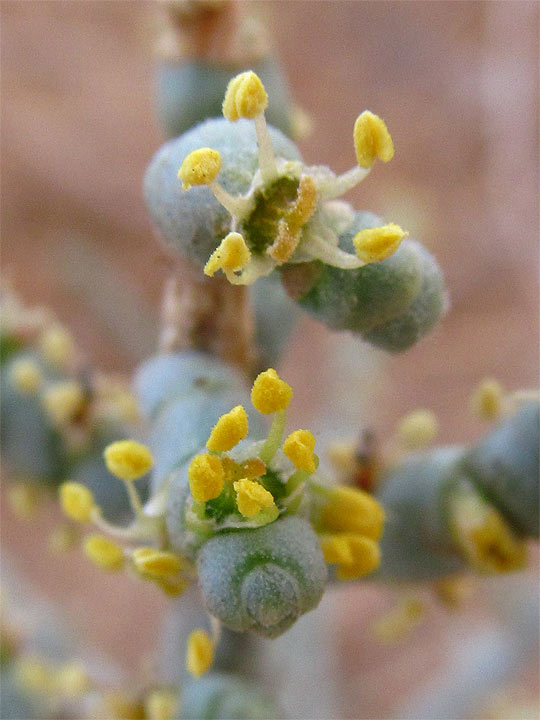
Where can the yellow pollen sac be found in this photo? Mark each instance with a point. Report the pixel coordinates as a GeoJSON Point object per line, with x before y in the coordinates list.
{"type": "Point", "coordinates": [104, 553]}
{"type": "Point", "coordinates": [161, 705]}
{"type": "Point", "coordinates": [355, 555]}
{"type": "Point", "coordinates": [371, 140]}
{"type": "Point", "coordinates": [397, 624]}
{"type": "Point", "coordinates": [57, 346]}
{"type": "Point", "coordinates": [206, 477]}
{"type": "Point", "coordinates": [71, 680]}
{"type": "Point", "coordinates": [25, 376]}
{"type": "Point", "coordinates": [63, 538]}
{"type": "Point", "coordinates": [229, 430]}
{"type": "Point", "coordinates": [200, 167]}
{"type": "Point", "coordinates": [418, 429]}
{"type": "Point", "coordinates": [299, 447]}
{"type": "Point", "coordinates": [374, 244]}
{"type": "Point", "coordinates": [270, 393]}
{"type": "Point", "coordinates": [245, 97]}
{"type": "Point", "coordinates": [156, 564]}
{"type": "Point", "coordinates": [172, 586]}
{"type": "Point", "coordinates": [128, 459]}
{"type": "Point", "coordinates": [63, 401]}
{"type": "Point", "coordinates": [232, 255]}
{"type": "Point", "coordinates": [200, 653]}
{"type": "Point", "coordinates": [24, 499]}
{"type": "Point", "coordinates": [485, 538]}
{"type": "Point", "coordinates": [487, 400]}
{"type": "Point", "coordinates": [77, 501]}
{"type": "Point", "coordinates": [251, 497]}
{"type": "Point", "coordinates": [352, 510]}
{"type": "Point", "coordinates": [34, 675]}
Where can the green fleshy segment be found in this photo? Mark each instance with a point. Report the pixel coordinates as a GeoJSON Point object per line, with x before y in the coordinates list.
{"type": "Point", "coordinates": [504, 467]}
{"type": "Point", "coordinates": [224, 697]}
{"type": "Point", "coordinates": [271, 204]}
{"type": "Point", "coordinates": [501, 470]}
{"type": "Point", "coordinates": [392, 303]}
{"type": "Point", "coordinates": [262, 579]}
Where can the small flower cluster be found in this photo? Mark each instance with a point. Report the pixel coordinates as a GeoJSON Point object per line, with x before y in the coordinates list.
{"type": "Point", "coordinates": [293, 201]}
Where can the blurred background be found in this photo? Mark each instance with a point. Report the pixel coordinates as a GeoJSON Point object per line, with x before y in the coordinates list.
{"type": "Point", "coordinates": [456, 82]}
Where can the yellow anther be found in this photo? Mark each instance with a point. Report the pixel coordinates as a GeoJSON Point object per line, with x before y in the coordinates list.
{"type": "Point", "coordinates": [245, 97]}
{"type": "Point", "coordinates": [231, 255]}
{"type": "Point", "coordinates": [487, 399]}
{"type": "Point", "coordinates": [24, 499]}
{"type": "Point", "coordinates": [156, 564]}
{"type": "Point", "coordinates": [454, 591]}
{"type": "Point", "coordinates": [371, 139]}
{"type": "Point", "coordinates": [397, 624]}
{"type": "Point", "coordinates": [57, 346]}
{"type": "Point", "coordinates": [251, 497]}
{"type": "Point", "coordinates": [63, 401]}
{"type": "Point", "coordinates": [104, 553]}
{"type": "Point", "coordinates": [485, 538]}
{"type": "Point", "coordinates": [63, 538]}
{"type": "Point", "coordinates": [299, 447]}
{"type": "Point", "coordinates": [270, 393]}
{"type": "Point", "coordinates": [173, 586]}
{"type": "Point", "coordinates": [200, 167]}
{"type": "Point", "coordinates": [354, 555]}
{"type": "Point", "coordinates": [77, 501]}
{"type": "Point", "coordinates": [206, 477]}
{"type": "Point", "coordinates": [354, 511]}
{"type": "Point", "coordinates": [71, 680]}
{"type": "Point", "coordinates": [200, 653]}
{"type": "Point", "coordinates": [34, 675]}
{"type": "Point", "coordinates": [119, 706]}
{"type": "Point", "coordinates": [128, 459]}
{"type": "Point", "coordinates": [161, 705]}
{"type": "Point", "coordinates": [304, 207]}
{"type": "Point", "coordinates": [418, 429]}
{"type": "Point", "coordinates": [374, 244]}
{"type": "Point", "coordinates": [342, 455]}
{"type": "Point", "coordinates": [25, 376]}
{"type": "Point", "coordinates": [229, 430]}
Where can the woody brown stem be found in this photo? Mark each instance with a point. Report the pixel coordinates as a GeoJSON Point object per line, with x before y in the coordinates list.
{"type": "Point", "coordinates": [216, 32]}
{"type": "Point", "coordinates": [208, 314]}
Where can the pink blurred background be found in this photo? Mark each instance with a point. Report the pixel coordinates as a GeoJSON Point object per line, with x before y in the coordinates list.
{"type": "Point", "coordinates": [457, 84]}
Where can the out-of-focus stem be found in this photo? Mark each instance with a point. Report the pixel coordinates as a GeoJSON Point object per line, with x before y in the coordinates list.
{"type": "Point", "coordinates": [208, 314]}
{"type": "Point", "coordinates": [214, 31]}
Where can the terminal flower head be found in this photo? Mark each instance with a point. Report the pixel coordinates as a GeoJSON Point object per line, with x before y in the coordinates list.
{"type": "Point", "coordinates": [290, 213]}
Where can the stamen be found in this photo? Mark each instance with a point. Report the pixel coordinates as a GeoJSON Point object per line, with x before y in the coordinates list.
{"type": "Point", "coordinates": [267, 159]}
{"type": "Point", "coordinates": [372, 139]}
{"type": "Point", "coordinates": [275, 436]}
{"type": "Point", "coordinates": [104, 553]}
{"type": "Point", "coordinates": [418, 429]}
{"type": "Point", "coordinates": [487, 400]}
{"type": "Point", "coordinates": [237, 206]}
{"type": "Point", "coordinates": [374, 244]}
{"type": "Point", "coordinates": [200, 653]}
{"type": "Point", "coordinates": [319, 249]}
{"type": "Point", "coordinates": [25, 376]}
{"type": "Point", "coordinates": [338, 186]}
{"type": "Point", "coordinates": [231, 255]}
